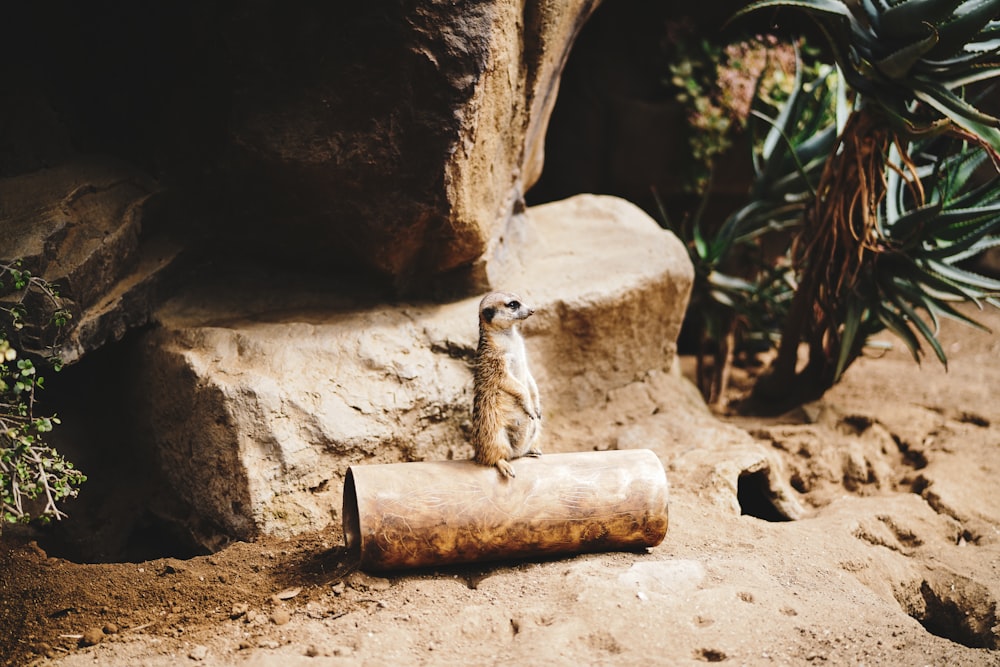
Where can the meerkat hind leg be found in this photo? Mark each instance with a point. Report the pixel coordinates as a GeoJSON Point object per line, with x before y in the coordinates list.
{"type": "Point", "coordinates": [534, 432]}
{"type": "Point", "coordinates": [523, 437]}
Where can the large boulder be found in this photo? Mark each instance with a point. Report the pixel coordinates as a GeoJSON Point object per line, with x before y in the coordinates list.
{"type": "Point", "coordinates": [398, 140]}
{"type": "Point", "coordinates": [339, 137]}
{"type": "Point", "coordinates": [260, 395]}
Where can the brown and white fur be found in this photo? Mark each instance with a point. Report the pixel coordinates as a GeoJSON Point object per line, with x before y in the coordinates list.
{"type": "Point", "coordinates": [506, 412]}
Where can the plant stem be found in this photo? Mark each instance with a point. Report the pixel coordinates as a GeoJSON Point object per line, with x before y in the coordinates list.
{"type": "Point", "coordinates": [839, 239]}
{"type": "Point", "coordinates": [723, 365]}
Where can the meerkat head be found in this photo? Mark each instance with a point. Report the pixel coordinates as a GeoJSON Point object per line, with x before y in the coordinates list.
{"type": "Point", "coordinates": [502, 310]}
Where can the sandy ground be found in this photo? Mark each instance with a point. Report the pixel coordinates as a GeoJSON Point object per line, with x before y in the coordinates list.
{"type": "Point", "coordinates": [894, 558]}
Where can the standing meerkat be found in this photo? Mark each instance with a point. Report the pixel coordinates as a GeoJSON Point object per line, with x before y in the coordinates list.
{"type": "Point", "coordinates": [506, 412]}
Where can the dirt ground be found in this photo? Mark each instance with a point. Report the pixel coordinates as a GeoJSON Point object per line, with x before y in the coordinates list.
{"type": "Point", "coordinates": [894, 556]}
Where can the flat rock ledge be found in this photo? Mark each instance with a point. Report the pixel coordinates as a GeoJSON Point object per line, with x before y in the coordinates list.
{"type": "Point", "coordinates": [262, 395]}
{"type": "Point", "coordinates": [79, 225]}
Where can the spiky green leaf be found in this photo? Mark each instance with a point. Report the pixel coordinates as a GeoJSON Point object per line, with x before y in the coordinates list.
{"type": "Point", "coordinates": [966, 117]}
{"type": "Point", "coordinates": [849, 335]}
{"type": "Point", "coordinates": [898, 63]}
{"type": "Point", "coordinates": [918, 322]}
{"type": "Point", "coordinates": [966, 278]}
{"type": "Point", "coordinates": [897, 325]}
{"type": "Point", "coordinates": [913, 18]}
{"type": "Point", "coordinates": [831, 7]}
{"type": "Point", "coordinates": [967, 21]}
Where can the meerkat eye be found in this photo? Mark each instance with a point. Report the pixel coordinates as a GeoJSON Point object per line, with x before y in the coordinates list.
{"type": "Point", "coordinates": [514, 305]}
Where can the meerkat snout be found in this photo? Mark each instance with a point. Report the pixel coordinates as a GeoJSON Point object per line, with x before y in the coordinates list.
{"type": "Point", "coordinates": [507, 412]}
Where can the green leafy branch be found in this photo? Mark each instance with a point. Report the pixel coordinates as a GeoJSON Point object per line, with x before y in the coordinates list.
{"type": "Point", "coordinates": [30, 470]}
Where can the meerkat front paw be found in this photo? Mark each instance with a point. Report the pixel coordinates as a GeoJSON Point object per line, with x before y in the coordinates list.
{"type": "Point", "coordinates": [534, 452]}
{"type": "Point", "coordinates": [506, 469]}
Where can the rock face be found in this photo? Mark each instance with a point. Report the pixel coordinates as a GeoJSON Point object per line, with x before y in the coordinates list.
{"type": "Point", "coordinates": [78, 226]}
{"type": "Point", "coordinates": [343, 137]}
{"type": "Point", "coordinates": [401, 140]}
{"type": "Point", "coordinates": [257, 405]}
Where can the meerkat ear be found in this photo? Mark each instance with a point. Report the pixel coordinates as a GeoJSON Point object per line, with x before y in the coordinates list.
{"type": "Point", "coordinates": [488, 314]}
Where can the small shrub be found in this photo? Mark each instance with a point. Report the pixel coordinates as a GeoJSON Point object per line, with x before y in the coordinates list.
{"type": "Point", "coordinates": [34, 478]}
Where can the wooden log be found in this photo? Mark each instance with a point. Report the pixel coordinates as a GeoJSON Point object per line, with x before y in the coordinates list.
{"type": "Point", "coordinates": [408, 515]}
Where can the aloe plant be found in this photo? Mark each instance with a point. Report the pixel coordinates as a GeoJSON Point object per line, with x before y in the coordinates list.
{"type": "Point", "coordinates": [913, 66]}
{"type": "Point", "coordinates": [913, 58]}
{"type": "Point", "coordinates": [739, 293]}
{"type": "Point", "coordinates": [931, 221]}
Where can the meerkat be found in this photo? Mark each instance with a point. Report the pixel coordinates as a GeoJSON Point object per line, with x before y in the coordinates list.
{"type": "Point", "coordinates": [506, 412]}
